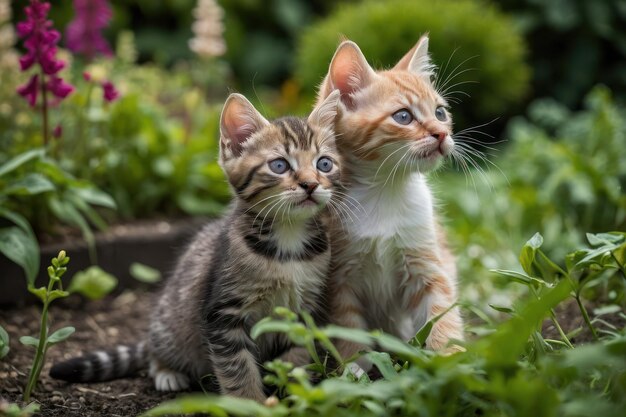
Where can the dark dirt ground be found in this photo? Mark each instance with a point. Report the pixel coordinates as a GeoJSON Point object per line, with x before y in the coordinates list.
{"type": "Point", "coordinates": [118, 319]}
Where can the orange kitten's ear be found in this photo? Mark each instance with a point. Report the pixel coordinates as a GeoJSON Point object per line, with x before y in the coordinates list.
{"type": "Point", "coordinates": [324, 114]}
{"type": "Point", "coordinates": [238, 122]}
{"type": "Point", "coordinates": [417, 60]}
{"type": "Point", "coordinates": [348, 72]}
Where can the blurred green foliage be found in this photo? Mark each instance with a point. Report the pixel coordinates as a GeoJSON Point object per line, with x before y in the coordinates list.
{"type": "Point", "coordinates": [476, 47]}
{"type": "Point", "coordinates": [575, 44]}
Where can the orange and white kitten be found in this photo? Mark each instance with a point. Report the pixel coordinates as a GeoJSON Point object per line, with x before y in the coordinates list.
{"type": "Point", "coordinates": [391, 267]}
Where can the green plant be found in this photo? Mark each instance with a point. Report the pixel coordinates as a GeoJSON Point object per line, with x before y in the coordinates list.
{"type": "Point", "coordinates": [511, 371]}
{"type": "Point", "coordinates": [14, 410]}
{"type": "Point", "coordinates": [477, 47]}
{"type": "Point", "coordinates": [47, 294]}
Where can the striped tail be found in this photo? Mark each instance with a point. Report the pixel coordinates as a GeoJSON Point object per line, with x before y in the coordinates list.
{"type": "Point", "coordinates": [102, 365]}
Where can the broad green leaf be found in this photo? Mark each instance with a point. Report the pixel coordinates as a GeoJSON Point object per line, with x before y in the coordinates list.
{"type": "Point", "coordinates": [69, 214]}
{"type": "Point", "coordinates": [54, 294]}
{"type": "Point", "coordinates": [269, 325]}
{"type": "Point", "coordinates": [22, 248]}
{"type": "Point", "coordinates": [144, 273]}
{"type": "Point", "coordinates": [95, 197]}
{"type": "Point", "coordinates": [527, 256]}
{"type": "Point", "coordinates": [383, 362]}
{"type": "Point", "coordinates": [359, 336]}
{"type": "Point", "coordinates": [4, 342]}
{"type": "Point", "coordinates": [394, 345]}
{"type": "Point", "coordinates": [20, 160]}
{"type": "Point", "coordinates": [29, 341]}
{"type": "Point", "coordinates": [508, 342]}
{"type": "Point", "coordinates": [31, 184]}
{"type": "Point", "coordinates": [219, 406]}
{"type": "Point", "coordinates": [60, 335]}
{"type": "Point", "coordinates": [93, 283]}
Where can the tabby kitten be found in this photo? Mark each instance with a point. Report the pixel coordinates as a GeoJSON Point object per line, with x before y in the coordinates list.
{"type": "Point", "coordinates": [391, 268]}
{"type": "Point", "coordinates": [270, 249]}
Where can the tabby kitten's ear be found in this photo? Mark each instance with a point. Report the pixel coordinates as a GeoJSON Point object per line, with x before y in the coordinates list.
{"type": "Point", "coordinates": [325, 113]}
{"type": "Point", "coordinates": [238, 122]}
{"type": "Point", "coordinates": [417, 60]}
{"type": "Point", "coordinates": [348, 72]}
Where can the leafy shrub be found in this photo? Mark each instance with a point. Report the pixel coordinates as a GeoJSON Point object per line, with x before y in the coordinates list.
{"type": "Point", "coordinates": [562, 172]}
{"type": "Point", "coordinates": [594, 51]}
{"type": "Point", "coordinates": [464, 34]}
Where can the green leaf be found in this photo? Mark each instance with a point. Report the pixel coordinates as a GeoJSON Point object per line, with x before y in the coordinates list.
{"type": "Point", "coordinates": [93, 283]}
{"type": "Point", "coordinates": [144, 273]}
{"type": "Point", "coordinates": [60, 335]}
{"type": "Point", "coordinates": [54, 294]}
{"type": "Point", "coordinates": [521, 278]}
{"type": "Point", "coordinates": [219, 406]}
{"type": "Point", "coordinates": [527, 256]}
{"type": "Point", "coordinates": [4, 342]}
{"type": "Point", "coordinates": [31, 184]}
{"type": "Point", "coordinates": [29, 341]}
{"type": "Point", "coordinates": [502, 309]}
{"type": "Point", "coordinates": [95, 197]}
{"type": "Point", "coordinates": [394, 345]}
{"type": "Point", "coordinates": [40, 292]}
{"type": "Point", "coordinates": [383, 362]}
{"type": "Point", "coordinates": [269, 325]}
{"type": "Point", "coordinates": [20, 160]}
{"type": "Point", "coordinates": [22, 248]}
{"type": "Point", "coordinates": [359, 336]}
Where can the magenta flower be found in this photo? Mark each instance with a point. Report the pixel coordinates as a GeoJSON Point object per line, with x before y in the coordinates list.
{"type": "Point", "coordinates": [40, 41]}
{"type": "Point", "coordinates": [109, 92]}
{"type": "Point", "coordinates": [29, 90]}
{"type": "Point", "coordinates": [83, 34]}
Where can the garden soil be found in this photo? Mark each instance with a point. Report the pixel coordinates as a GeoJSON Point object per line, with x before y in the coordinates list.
{"type": "Point", "coordinates": [114, 320]}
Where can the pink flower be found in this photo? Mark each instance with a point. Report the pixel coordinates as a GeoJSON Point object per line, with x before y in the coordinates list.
{"type": "Point", "coordinates": [29, 90]}
{"type": "Point", "coordinates": [84, 32]}
{"type": "Point", "coordinates": [86, 76]}
{"type": "Point", "coordinates": [40, 41]}
{"type": "Point", "coordinates": [57, 132]}
{"type": "Point", "coordinates": [109, 92]}
{"type": "Point", "coordinates": [58, 87]}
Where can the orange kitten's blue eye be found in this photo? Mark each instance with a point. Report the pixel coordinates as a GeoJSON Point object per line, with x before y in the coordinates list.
{"type": "Point", "coordinates": [404, 117]}
{"type": "Point", "coordinates": [440, 114]}
{"type": "Point", "coordinates": [324, 164]}
{"type": "Point", "coordinates": [279, 166]}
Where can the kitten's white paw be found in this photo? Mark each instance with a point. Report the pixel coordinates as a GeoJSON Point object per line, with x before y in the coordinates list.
{"type": "Point", "coordinates": [167, 380]}
{"type": "Point", "coordinates": [355, 370]}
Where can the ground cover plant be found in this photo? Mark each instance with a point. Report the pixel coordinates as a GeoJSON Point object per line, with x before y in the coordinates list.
{"type": "Point", "coordinates": [538, 223]}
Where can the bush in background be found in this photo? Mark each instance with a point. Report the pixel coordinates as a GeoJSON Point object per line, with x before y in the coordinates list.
{"type": "Point", "coordinates": [576, 44]}
{"type": "Point", "coordinates": [471, 40]}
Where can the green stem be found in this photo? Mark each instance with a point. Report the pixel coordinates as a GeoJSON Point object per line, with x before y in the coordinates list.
{"type": "Point", "coordinates": [560, 330]}
{"type": "Point", "coordinates": [583, 310]}
{"type": "Point", "coordinates": [44, 109]}
{"type": "Point", "coordinates": [619, 265]}
{"type": "Point", "coordinates": [35, 370]}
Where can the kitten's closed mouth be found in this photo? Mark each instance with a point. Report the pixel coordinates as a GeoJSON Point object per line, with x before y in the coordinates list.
{"type": "Point", "coordinates": [309, 201]}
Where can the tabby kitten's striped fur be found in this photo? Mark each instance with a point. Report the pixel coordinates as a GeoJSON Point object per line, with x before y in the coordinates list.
{"type": "Point", "coordinates": [391, 267]}
{"type": "Point", "coordinates": [270, 249]}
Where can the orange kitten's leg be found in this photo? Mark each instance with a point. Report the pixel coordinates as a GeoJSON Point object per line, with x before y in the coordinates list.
{"type": "Point", "coordinates": [437, 294]}
{"type": "Point", "coordinates": [347, 311]}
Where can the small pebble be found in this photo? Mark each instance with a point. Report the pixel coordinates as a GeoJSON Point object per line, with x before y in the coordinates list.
{"type": "Point", "coordinates": [57, 399]}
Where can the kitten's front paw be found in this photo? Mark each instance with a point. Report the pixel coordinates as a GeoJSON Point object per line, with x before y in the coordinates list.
{"type": "Point", "coordinates": [167, 380]}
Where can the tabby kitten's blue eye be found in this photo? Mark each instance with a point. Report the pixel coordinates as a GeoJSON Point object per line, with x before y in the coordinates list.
{"type": "Point", "coordinates": [324, 164]}
{"type": "Point", "coordinates": [440, 114]}
{"type": "Point", "coordinates": [403, 117]}
{"type": "Point", "coordinates": [279, 166]}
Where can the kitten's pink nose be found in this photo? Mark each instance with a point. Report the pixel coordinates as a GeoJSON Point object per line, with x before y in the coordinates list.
{"type": "Point", "coordinates": [309, 186]}
{"type": "Point", "coordinates": [441, 136]}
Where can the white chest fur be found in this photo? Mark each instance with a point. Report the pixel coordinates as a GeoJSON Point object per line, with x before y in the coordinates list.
{"type": "Point", "coordinates": [391, 220]}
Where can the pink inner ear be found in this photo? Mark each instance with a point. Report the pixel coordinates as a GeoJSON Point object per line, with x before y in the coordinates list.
{"type": "Point", "coordinates": [345, 76]}
{"type": "Point", "coordinates": [238, 130]}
